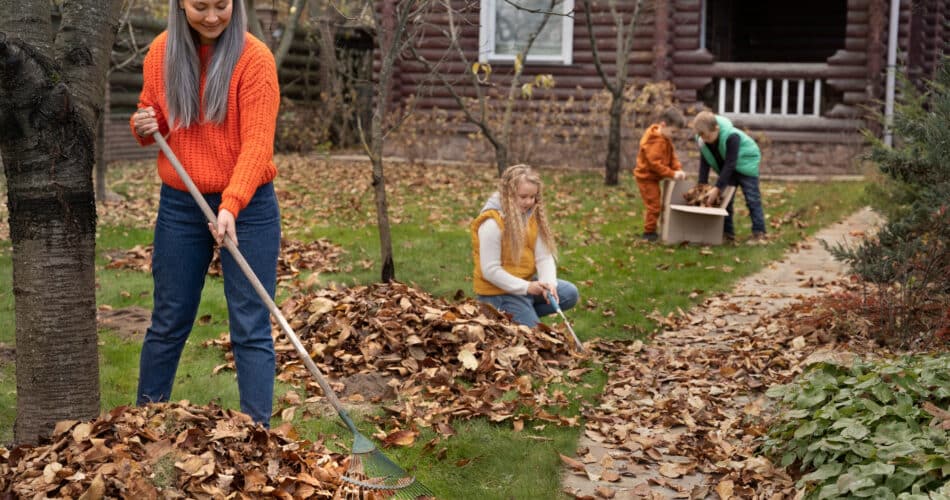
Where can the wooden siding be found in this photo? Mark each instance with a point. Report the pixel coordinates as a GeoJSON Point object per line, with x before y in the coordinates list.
{"type": "Point", "coordinates": [578, 80]}
{"type": "Point", "coordinates": [667, 47]}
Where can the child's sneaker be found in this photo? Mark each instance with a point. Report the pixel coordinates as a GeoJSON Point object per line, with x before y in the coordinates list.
{"type": "Point", "coordinates": [649, 236]}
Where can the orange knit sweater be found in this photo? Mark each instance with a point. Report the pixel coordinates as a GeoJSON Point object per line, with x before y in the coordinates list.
{"type": "Point", "coordinates": [234, 157]}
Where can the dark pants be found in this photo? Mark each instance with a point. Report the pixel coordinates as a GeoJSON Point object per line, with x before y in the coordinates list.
{"type": "Point", "coordinates": [183, 250]}
{"type": "Point", "coordinates": [753, 200]}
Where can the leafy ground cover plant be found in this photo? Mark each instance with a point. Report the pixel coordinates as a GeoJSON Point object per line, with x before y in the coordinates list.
{"type": "Point", "coordinates": [871, 430]}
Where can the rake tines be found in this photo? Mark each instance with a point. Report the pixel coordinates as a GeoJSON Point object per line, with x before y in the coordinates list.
{"type": "Point", "coordinates": [374, 472]}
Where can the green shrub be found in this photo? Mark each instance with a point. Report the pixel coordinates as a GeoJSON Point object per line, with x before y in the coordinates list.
{"type": "Point", "coordinates": [864, 431]}
{"type": "Point", "coordinates": [912, 251]}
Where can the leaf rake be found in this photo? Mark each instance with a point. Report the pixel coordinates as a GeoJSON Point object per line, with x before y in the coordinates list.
{"type": "Point", "coordinates": [557, 307]}
{"type": "Point", "coordinates": [369, 468]}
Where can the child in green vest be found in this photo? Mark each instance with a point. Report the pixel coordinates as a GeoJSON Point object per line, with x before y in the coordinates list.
{"type": "Point", "coordinates": [735, 157]}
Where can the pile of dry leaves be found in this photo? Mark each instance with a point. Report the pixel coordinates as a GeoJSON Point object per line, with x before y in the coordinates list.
{"type": "Point", "coordinates": [171, 451]}
{"type": "Point", "coordinates": [444, 361]}
{"type": "Point", "coordinates": [295, 256]}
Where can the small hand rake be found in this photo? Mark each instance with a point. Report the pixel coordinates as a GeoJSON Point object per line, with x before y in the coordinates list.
{"type": "Point", "coordinates": [557, 307]}
{"type": "Point", "coordinates": [369, 468]}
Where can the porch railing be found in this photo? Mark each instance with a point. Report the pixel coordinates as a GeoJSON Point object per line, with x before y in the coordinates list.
{"type": "Point", "coordinates": [769, 89]}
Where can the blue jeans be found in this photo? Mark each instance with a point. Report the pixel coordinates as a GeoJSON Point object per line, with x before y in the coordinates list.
{"type": "Point", "coordinates": [526, 309]}
{"type": "Point", "coordinates": [183, 250]}
{"type": "Point", "coordinates": [753, 200]}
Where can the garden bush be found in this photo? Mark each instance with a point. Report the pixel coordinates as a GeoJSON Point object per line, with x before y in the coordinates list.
{"type": "Point", "coordinates": [910, 256]}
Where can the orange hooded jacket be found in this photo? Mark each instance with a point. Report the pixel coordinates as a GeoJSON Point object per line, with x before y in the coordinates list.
{"type": "Point", "coordinates": [656, 159]}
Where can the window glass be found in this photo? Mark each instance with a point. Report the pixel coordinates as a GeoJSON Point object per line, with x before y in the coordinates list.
{"type": "Point", "coordinates": [505, 29]}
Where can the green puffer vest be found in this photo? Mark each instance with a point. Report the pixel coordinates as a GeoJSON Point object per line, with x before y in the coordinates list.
{"type": "Point", "coordinates": [749, 154]}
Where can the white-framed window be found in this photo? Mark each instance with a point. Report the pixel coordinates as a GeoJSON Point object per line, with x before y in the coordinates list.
{"type": "Point", "coordinates": [505, 30]}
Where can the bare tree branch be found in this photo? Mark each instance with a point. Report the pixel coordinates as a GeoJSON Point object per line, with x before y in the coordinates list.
{"type": "Point", "coordinates": [287, 37]}
{"type": "Point", "coordinates": [550, 11]}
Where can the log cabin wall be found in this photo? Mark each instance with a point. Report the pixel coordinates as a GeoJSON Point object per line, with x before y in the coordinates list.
{"type": "Point", "coordinates": [578, 80]}
{"type": "Point", "coordinates": [578, 83]}
{"type": "Point", "coordinates": [829, 66]}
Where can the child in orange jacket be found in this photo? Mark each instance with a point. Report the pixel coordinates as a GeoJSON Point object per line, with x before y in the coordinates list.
{"type": "Point", "coordinates": [656, 161]}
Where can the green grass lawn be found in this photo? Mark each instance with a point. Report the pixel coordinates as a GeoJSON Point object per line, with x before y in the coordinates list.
{"type": "Point", "coordinates": [622, 282]}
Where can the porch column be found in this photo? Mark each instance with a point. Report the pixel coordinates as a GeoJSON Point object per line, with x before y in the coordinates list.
{"type": "Point", "coordinates": [661, 40]}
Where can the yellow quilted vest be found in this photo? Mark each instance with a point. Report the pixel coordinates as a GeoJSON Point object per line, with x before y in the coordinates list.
{"type": "Point", "coordinates": [524, 269]}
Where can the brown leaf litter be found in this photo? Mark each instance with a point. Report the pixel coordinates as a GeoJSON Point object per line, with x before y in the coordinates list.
{"type": "Point", "coordinates": [172, 450]}
{"type": "Point", "coordinates": [295, 256]}
{"type": "Point", "coordinates": [693, 399]}
{"type": "Point", "coordinates": [444, 360]}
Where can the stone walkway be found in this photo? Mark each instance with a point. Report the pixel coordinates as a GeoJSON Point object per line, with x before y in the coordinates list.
{"type": "Point", "coordinates": [782, 283]}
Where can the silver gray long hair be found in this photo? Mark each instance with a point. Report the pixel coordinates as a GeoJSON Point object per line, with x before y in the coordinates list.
{"type": "Point", "coordinates": [182, 67]}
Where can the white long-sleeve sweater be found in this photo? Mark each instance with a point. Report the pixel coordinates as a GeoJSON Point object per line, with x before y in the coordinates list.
{"type": "Point", "coordinates": [489, 256]}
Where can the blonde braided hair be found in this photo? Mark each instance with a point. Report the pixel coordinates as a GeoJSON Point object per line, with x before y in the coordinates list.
{"type": "Point", "coordinates": [515, 228]}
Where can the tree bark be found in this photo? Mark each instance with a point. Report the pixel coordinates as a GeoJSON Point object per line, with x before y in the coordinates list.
{"type": "Point", "coordinates": [612, 174]}
{"type": "Point", "coordinates": [51, 97]}
{"type": "Point", "coordinates": [287, 37]}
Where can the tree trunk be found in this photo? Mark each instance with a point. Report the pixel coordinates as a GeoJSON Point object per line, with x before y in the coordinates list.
{"type": "Point", "coordinates": [51, 92]}
{"type": "Point", "coordinates": [612, 165]}
{"type": "Point", "coordinates": [287, 37]}
{"type": "Point", "coordinates": [394, 23]}
{"type": "Point", "coordinates": [501, 158]}
{"type": "Point", "coordinates": [388, 272]}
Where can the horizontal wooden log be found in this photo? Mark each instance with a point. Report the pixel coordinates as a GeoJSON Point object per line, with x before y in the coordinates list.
{"type": "Point", "coordinates": [686, 30]}
{"type": "Point", "coordinates": [857, 16]}
{"type": "Point", "coordinates": [849, 57]}
{"type": "Point", "coordinates": [845, 111]}
{"type": "Point", "coordinates": [680, 17]}
{"type": "Point", "coordinates": [691, 82]}
{"type": "Point", "coordinates": [856, 44]}
{"type": "Point", "coordinates": [687, 5]}
{"type": "Point", "coordinates": [846, 84]}
{"type": "Point", "coordinates": [855, 97]}
{"type": "Point", "coordinates": [685, 44]}
{"type": "Point", "coordinates": [794, 123]}
{"type": "Point", "coordinates": [698, 56]}
{"type": "Point", "coordinates": [856, 31]}
{"type": "Point", "coordinates": [844, 137]}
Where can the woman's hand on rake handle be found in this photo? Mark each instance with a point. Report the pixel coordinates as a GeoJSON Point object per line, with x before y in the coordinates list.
{"type": "Point", "coordinates": [225, 226]}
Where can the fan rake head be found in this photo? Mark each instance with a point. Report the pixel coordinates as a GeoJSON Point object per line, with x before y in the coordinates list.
{"type": "Point", "coordinates": [374, 473]}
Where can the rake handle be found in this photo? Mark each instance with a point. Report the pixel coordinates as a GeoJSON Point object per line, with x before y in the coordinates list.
{"type": "Point", "coordinates": [557, 307]}
{"type": "Point", "coordinates": [256, 283]}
